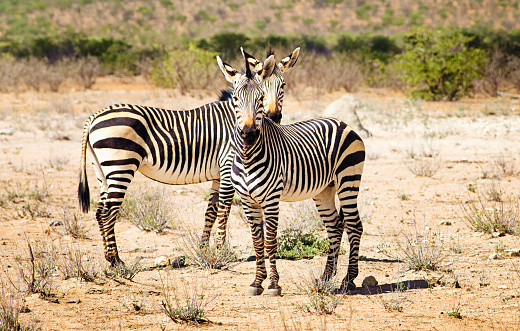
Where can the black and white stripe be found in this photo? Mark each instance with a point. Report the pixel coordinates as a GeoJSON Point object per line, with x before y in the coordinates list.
{"type": "Point", "coordinates": [312, 159]}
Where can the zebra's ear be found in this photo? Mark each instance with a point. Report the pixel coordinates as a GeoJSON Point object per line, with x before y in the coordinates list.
{"type": "Point", "coordinates": [252, 62]}
{"type": "Point", "coordinates": [289, 62]}
{"type": "Point", "coordinates": [268, 67]}
{"type": "Point", "coordinates": [227, 70]}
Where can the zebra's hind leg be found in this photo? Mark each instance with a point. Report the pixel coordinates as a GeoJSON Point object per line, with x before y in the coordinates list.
{"type": "Point", "coordinates": [226, 193]}
{"type": "Point", "coordinates": [211, 212]}
{"type": "Point", "coordinates": [349, 212]}
{"type": "Point", "coordinates": [334, 225]}
{"type": "Point", "coordinates": [255, 219]}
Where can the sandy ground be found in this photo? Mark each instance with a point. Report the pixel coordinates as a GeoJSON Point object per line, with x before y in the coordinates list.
{"type": "Point", "coordinates": [471, 141]}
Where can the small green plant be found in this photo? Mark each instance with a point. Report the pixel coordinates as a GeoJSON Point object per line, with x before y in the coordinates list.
{"type": "Point", "coordinates": [492, 216]}
{"type": "Point", "coordinates": [294, 245]}
{"type": "Point", "coordinates": [419, 249]}
{"type": "Point", "coordinates": [186, 303]}
{"type": "Point", "coordinates": [149, 210]}
{"type": "Point", "coordinates": [472, 187]}
{"type": "Point", "coordinates": [320, 293]}
{"type": "Point", "coordinates": [403, 196]}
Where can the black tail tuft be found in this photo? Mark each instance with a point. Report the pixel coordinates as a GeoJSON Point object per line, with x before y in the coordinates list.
{"type": "Point", "coordinates": [84, 195]}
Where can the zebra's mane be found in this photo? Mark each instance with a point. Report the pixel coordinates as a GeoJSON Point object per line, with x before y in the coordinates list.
{"type": "Point", "coordinates": [269, 52]}
{"type": "Point", "coordinates": [226, 94]}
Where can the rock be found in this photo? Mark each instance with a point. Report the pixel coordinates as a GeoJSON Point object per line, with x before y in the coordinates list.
{"type": "Point", "coordinates": [161, 261]}
{"type": "Point", "coordinates": [8, 132]}
{"type": "Point", "coordinates": [345, 109]}
{"type": "Point", "coordinates": [369, 281]}
{"type": "Point", "coordinates": [55, 223]}
{"type": "Point", "coordinates": [493, 257]}
{"type": "Point", "coordinates": [498, 234]}
{"type": "Point", "coordinates": [179, 262]}
{"type": "Point", "coordinates": [513, 252]}
{"type": "Point", "coordinates": [503, 287]}
{"type": "Point", "coordinates": [446, 222]}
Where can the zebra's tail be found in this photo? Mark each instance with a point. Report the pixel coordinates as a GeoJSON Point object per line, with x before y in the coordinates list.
{"type": "Point", "coordinates": [83, 190]}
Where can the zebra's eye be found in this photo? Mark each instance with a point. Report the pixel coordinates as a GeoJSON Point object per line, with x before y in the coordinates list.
{"type": "Point", "coordinates": [283, 85]}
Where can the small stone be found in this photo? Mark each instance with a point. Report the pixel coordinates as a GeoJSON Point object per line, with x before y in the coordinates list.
{"type": "Point", "coordinates": [498, 234]}
{"type": "Point", "coordinates": [493, 257]}
{"type": "Point", "coordinates": [503, 287]}
{"type": "Point", "coordinates": [446, 222]}
{"type": "Point", "coordinates": [369, 281]}
{"type": "Point", "coordinates": [161, 261]}
{"type": "Point", "coordinates": [513, 252]}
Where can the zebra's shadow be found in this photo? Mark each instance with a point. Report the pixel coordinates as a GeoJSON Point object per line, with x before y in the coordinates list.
{"type": "Point", "coordinates": [402, 286]}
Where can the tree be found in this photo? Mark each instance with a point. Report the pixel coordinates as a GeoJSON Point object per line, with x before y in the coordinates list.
{"type": "Point", "coordinates": [438, 64]}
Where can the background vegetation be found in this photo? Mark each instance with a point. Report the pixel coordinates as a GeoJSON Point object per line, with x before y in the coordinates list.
{"type": "Point", "coordinates": [174, 43]}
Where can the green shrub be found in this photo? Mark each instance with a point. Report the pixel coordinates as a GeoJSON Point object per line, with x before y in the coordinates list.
{"type": "Point", "coordinates": [438, 64]}
{"type": "Point", "coordinates": [294, 245]}
{"type": "Point", "coordinates": [227, 44]}
{"type": "Point", "coordinates": [187, 69]}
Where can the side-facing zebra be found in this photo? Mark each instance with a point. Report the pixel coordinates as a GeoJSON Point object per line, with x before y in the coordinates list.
{"type": "Point", "coordinates": [169, 146]}
{"type": "Point", "coordinates": [311, 159]}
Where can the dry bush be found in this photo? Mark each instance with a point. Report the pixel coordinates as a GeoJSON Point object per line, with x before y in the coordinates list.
{"type": "Point", "coordinates": [126, 271]}
{"type": "Point", "coordinates": [149, 209]}
{"type": "Point", "coordinates": [72, 223]}
{"type": "Point", "coordinates": [320, 292]}
{"type": "Point", "coordinates": [87, 71]}
{"type": "Point", "coordinates": [11, 306]}
{"type": "Point", "coordinates": [188, 302]}
{"type": "Point", "coordinates": [501, 214]}
{"type": "Point", "coordinates": [326, 74]}
{"type": "Point", "coordinates": [420, 249]}
{"type": "Point", "coordinates": [424, 167]}
{"type": "Point", "coordinates": [10, 73]}
{"type": "Point", "coordinates": [207, 256]}
{"type": "Point", "coordinates": [74, 263]}
{"type": "Point", "coordinates": [34, 72]}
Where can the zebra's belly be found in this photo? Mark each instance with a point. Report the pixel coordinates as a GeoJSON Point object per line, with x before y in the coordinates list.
{"type": "Point", "coordinates": [180, 176]}
{"type": "Point", "coordinates": [291, 194]}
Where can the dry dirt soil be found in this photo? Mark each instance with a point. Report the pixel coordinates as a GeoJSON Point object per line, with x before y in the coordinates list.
{"type": "Point", "coordinates": [473, 146]}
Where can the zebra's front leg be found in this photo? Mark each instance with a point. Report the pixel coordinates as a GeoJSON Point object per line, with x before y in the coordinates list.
{"type": "Point", "coordinates": [256, 222]}
{"type": "Point", "coordinates": [271, 245]}
{"type": "Point", "coordinates": [211, 212]}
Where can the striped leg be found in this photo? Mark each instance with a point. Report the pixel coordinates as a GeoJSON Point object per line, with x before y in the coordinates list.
{"type": "Point", "coordinates": [334, 225]}
{"type": "Point", "coordinates": [255, 219]}
{"type": "Point", "coordinates": [118, 182]}
{"type": "Point", "coordinates": [211, 212]}
{"type": "Point", "coordinates": [348, 192]}
{"type": "Point", "coordinates": [271, 213]}
{"type": "Point", "coordinates": [224, 204]}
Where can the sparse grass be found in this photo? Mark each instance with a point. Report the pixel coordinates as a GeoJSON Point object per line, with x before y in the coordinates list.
{"type": "Point", "coordinates": [319, 292]}
{"type": "Point", "coordinates": [396, 299]}
{"type": "Point", "coordinates": [425, 167]}
{"type": "Point", "coordinates": [74, 263]}
{"type": "Point", "coordinates": [58, 162]}
{"type": "Point", "coordinates": [403, 196]}
{"type": "Point", "coordinates": [188, 302]}
{"type": "Point", "coordinates": [149, 210]}
{"type": "Point", "coordinates": [11, 306]}
{"type": "Point", "coordinates": [126, 271]}
{"type": "Point", "coordinates": [207, 256]}
{"type": "Point", "coordinates": [35, 271]}
{"type": "Point", "coordinates": [418, 249]}
{"type": "Point", "coordinates": [72, 223]}
{"type": "Point", "coordinates": [492, 216]}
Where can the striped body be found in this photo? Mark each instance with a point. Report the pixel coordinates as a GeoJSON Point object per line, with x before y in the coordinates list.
{"type": "Point", "coordinates": [313, 159]}
{"type": "Point", "coordinates": [172, 147]}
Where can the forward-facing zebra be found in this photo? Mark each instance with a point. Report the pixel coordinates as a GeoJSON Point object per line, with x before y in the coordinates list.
{"type": "Point", "coordinates": [169, 146]}
{"type": "Point", "coordinates": [311, 159]}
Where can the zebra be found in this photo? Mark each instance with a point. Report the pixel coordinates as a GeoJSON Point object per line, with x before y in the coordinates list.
{"type": "Point", "coordinates": [311, 159]}
{"type": "Point", "coordinates": [169, 146]}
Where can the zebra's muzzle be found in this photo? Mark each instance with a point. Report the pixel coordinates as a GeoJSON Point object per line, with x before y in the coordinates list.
{"type": "Point", "coordinates": [275, 116]}
{"type": "Point", "coordinates": [249, 134]}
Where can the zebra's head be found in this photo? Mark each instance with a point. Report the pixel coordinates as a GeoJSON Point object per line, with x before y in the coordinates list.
{"type": "Point", "coordinates": [274, 85]}
{"type": "Point", "coordinates": [248, 94]}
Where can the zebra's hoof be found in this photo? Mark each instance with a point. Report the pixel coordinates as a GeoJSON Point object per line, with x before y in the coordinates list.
{"type": "Point", "coordinates": [253, 291]}
{"type": "Point", "coordinates": [348, 286]}
{"type": "Point", "coordinates": [274, 292]}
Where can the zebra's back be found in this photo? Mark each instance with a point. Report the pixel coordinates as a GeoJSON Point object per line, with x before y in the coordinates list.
{"type": "Point", "coordinates": [170, 146]}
